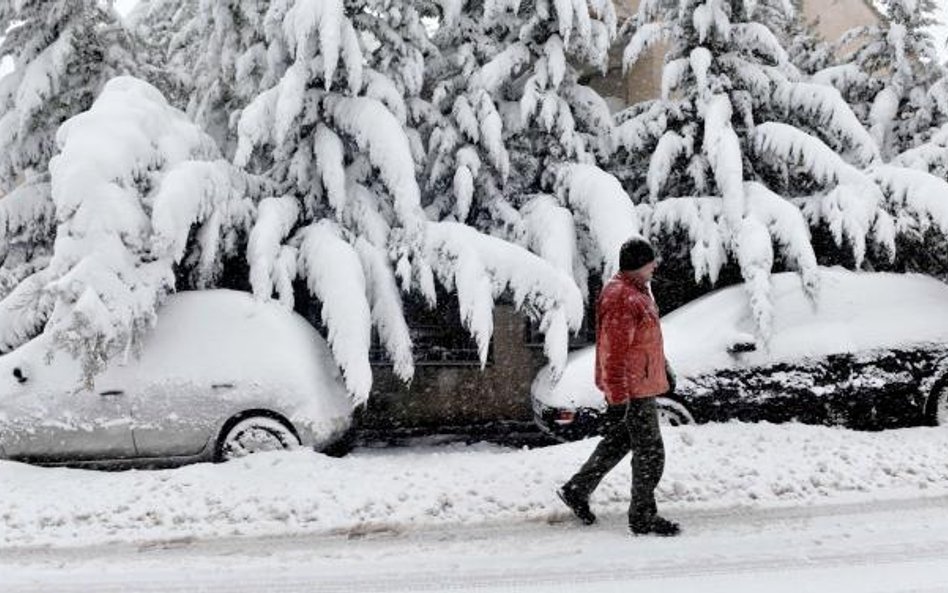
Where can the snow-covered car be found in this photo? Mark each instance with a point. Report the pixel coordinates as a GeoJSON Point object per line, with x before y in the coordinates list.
{"type": "Point", "coordinates": [220, 376]}
{"type": "Point", "coordinates": [870, 351]}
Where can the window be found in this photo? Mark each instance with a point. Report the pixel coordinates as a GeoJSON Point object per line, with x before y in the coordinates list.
{"type": "Point", "coordinates": [438, 336]}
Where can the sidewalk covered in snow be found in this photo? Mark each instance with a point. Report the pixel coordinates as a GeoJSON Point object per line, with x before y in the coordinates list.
{"type": "Point", "coordinates": [301, 492]}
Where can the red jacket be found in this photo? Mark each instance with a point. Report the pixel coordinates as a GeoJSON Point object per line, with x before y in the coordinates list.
{"type": "Point", "coordinates": [630, 353]}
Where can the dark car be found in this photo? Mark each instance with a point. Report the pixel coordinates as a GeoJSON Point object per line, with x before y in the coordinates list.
{"type": "Point", "coordinates": [868, 351]}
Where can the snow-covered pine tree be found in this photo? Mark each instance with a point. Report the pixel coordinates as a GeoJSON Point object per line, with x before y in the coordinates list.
{"type": "Point", "coordinates": [214, 55]}
{"type": "Point", "coordinates": [165, 37]}
{"type": "Point", "coordinates": [62, 52]}
{"type": "Point", "coordinates": [688, 155]}
{"type": "Point", "coordinates": [737, 133]}
{"type": "Point", "coordinates": [891, 76]}
{"type": "Point", "coordinates": [135, 186]}
{"type": "Point", "coordinates": [896, 94]}
{"type": "Point", "coordinates": [26, 232]}
{"type": "Point", "coordinates": [513, 136]}
{"type": "Point", "coordinates": [330, 130]}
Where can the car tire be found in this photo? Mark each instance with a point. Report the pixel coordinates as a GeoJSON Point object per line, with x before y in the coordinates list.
{"type": "Point", "coordinates": [938, 404]}
{"type": "Point", "coordinates": [672, 412]}
{"type": "Point", "coordinates": [255, 434]}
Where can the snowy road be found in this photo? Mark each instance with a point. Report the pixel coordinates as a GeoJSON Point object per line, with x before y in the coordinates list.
{"type": "Point", "coordinates": [890, 546]}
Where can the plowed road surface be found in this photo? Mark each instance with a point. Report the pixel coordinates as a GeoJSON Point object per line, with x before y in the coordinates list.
{"type": "Point", "coordinates": [886, 546]}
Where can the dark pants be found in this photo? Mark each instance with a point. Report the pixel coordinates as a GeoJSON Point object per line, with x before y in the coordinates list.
{"type": "Point", "coordinates": [628, 427]}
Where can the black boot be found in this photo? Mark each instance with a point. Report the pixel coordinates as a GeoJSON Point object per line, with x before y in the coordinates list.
{"type": "Point", "coordinates": [655, 526]}
{"type": "Point", "coordinates": [579, 505]}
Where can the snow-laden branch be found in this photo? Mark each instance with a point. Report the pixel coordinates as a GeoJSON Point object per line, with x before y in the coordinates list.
{"type": "Point", "coordinates": [928, 157]}
{"type": "Point", "coordinates": [502, 68]}
{"type": "Point", "coordinates": [481, 268]}
{"type": "Point", "coordinates": [852, 209]}
{"type": "Point", "coordinates": [758, 80]}
{"type": "Point", "coordinates": [386, 306]}
{"type": "Point", "coordinates": [42, 76]}
{"type": "Point", "coordinates": [377, 132]}
{"type": "Point", "coordinates": [599, 202]}
{"type": "Point", "coordinates": [637, 133]}
{"type": "Point", "coordinates": [551, 233]}
{"type": "Point", "coordinates": [671, 146]}
{"type": "Point", "coordinates": [787, 227]}
{"type": "Point", "coordinates": [25, 311]}
{"type": "Point", "coordinates": [644, 38]}
{"type": "Point", "coordinates": [189, 193]}
{"type": "Point", "coordinates": [791, 145]}
{"type": "Point", "coordinates": [757, 37]}
{"type": "Point", "coordinates": [922, 194]}
{"type": "Point", "coordinates": [700, 217]}
{"type": "Point", "coordinates": [276, 218]}
{"type": "Point", "coordinates": [828, 107]}
{"type": "Point", "coordinates": [330, 165]}
{"type": "Point", "coordinates": [841, 77]}
{"type": "Point", "coordinates": [723, 150]}
{"type": "Point", "coordinates": [590, 108]}
{"type": "Point", "coordinates": [28, 210]}
{"type": "Point", "coordinates": [882, 114]}
{"type": "Point", "coordinates": [711, 20]}
{"type": "Point", "coordinates": [334, 275]}
{"type": "Point", "coordinates": [755, 255]}
{"type": "Point", "coordinates": [307, 17]}
{"type": "Point", "coordinates": [700, 61]}
{"type": "Point", "coordinates": [674, 75]}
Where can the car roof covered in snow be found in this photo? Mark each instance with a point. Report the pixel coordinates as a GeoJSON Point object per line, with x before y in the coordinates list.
{"type": "Point", "coordinates": [852, 312]}
{"type": "Point", "coordinates": [204, 336]}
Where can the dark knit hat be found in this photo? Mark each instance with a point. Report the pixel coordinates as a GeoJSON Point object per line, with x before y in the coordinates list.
{"type": "Point", "coordinates": [635, 253]}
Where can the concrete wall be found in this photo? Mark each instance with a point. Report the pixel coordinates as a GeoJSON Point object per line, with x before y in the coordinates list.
{"type": "Point", "coordinates": [835, 17]}
{"type": "Point", "coordinates": [838, 16]}
{"type": "Point", "coordinates": [444, 396]}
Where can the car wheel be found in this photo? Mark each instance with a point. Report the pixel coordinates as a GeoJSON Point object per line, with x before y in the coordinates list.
{"type": "Point", "coordinates": [938, 405]}
{"type": "Point", "coordinates": [673, 413]}
{"type": "Point", "coordinates": [253, 435]}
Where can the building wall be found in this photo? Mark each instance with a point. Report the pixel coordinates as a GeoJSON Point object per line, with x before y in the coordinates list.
{"type": "Point", "coordinates": [441, 397]}
{"type": "Point", "coordinates": [833, 18]}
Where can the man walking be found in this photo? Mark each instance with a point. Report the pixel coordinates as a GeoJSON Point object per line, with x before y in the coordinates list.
{"type": "Point", "coordinates": [630, 371]}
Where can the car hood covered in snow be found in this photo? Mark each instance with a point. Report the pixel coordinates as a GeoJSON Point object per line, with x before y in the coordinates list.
{"type": "Point", "coordinates": [852, 312]}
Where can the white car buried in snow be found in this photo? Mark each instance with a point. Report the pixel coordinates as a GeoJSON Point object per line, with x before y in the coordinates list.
{"type": "Point", "coordinates": [870, 352]}
{"type": "Point", "coordinates": [220, 376]}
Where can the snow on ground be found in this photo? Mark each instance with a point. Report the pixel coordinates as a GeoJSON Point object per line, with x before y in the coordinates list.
{"type": "Point", "coordinates": [398, 490]}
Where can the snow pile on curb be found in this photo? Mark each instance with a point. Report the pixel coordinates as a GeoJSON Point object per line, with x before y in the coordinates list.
{"type": "Point", "coordinates": [395, 489]}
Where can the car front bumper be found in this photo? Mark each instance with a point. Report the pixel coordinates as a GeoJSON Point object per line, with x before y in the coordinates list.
{"type": "Point", "coordinates": [565, 424]}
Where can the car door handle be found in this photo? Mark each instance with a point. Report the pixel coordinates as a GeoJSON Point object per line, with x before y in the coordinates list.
{"type": "Point", "coordinates": [222, 386]}
{"type": "Point", "coordinates": [111, 393]}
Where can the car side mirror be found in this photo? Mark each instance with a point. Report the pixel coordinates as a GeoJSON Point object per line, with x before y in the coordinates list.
{"type": "Point", "coordinates": [19, 375]}
{"type": "Point", "coordinates": [741, 346]}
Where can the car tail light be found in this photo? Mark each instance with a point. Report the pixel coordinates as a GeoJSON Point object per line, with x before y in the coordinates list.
{"type": "Point", "coordinates": [564, 416]}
